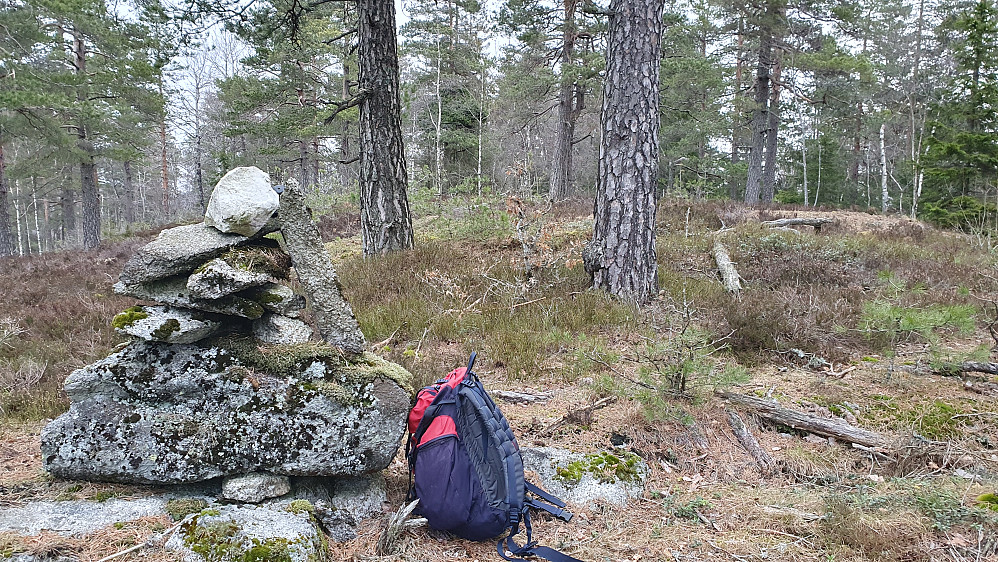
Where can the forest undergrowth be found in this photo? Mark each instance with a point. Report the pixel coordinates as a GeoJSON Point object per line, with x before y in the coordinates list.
{"type": "Point", "coordinates": [856, 320]}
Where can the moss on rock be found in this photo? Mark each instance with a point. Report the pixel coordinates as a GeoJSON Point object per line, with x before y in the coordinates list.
{"type": "Point", "coordinates": [604, 466]}
{"type": "Point", "coordinates": [128, 317]}
{"type": "Point", "coordinates": [166, 329]}
{"type": "Point", "coordinates": [180, 508]}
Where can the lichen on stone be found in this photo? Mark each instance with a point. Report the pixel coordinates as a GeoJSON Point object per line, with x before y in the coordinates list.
{"type": "Point", "coordinates": [128, 317]}
{"type": "Point", "coordinates": [604, 466]}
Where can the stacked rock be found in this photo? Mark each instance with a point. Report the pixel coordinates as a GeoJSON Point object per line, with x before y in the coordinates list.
{"type": "Point", "coordinates": [225, 376]}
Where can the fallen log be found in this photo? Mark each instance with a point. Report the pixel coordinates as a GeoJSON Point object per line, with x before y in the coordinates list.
{"type": "Point", "coordinates": [952, 369]}
{"type": "Point", "coordinates": [816, 222]}
{"type": "Point", "coordinates": [771, 411]}
{"type": "Point", "coordinates": [729, 275]}
{"type": "Point", "coordinates": [520, 397]}
{"type": "Point", "coordinates": [749, 442]}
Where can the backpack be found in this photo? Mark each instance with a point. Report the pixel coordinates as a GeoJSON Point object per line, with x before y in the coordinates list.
{"type": "Point", "coordinates": [466, 470]}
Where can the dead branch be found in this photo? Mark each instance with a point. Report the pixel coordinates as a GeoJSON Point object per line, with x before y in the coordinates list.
{"type": "Point", "coordinates": [387, 542]}
{"type": "Point", "coordinates": [771, 411]}
{"type": "Point", "coordinates": [520, 397]}
{"type": "Point", "coordinates": [816, 222]}
{"type": "Point", "coordinates": [729, 275]}
{"type": "Point", "coordinates": [749, 442]}
{"type": "Point", "coordinates": [582, 416]}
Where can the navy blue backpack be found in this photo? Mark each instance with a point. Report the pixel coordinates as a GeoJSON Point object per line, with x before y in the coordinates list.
{"type": "Point", "coordinates": [465, 468]}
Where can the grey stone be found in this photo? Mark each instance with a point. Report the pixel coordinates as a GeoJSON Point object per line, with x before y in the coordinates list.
{"type": "Point", "coordinates": [40, 558]}
{"type": "Point", "coordinates": [277, 329]}
{"type": "Point", "coordinates": [173, 291]}
{"type": "Point", "coordinates": [217, 279]}
{"type": "Point", "coordinates": [162, 413]}
{"type": "Point", "coordinates": [255, 487]}
{"type": "Point", "coordinates": [352, 500]}
{"type": "Point", "coordinates": [170, 325]}
{"type": "Point", "coordinates": [277, 298]}
{"type": "Point", "coordinates": [241, 202]}
{"type": "Point", "coordinates": [76, 517]}
{"type": "Point", "coordinates": [546, 461]}
{"type": "Point", "coordinates": [176, 251]}
{"type": "Point", "coordinates": [334, 318]}
{"type": "Point", "coordinates": [251, 533]}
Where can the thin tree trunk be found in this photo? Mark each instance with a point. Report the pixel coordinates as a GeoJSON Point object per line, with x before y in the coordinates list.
{"type": "Point", "coordinates": [34, 207]}
{"type": "Point", "coordinates": [438, 147]}
{"type": "Point", "coordinates": [6, 238]}
{"type": "Point", "coordinates": [885, 198]}
{"type": "Point", "coordinates": [772, 135]}
{"type": "Point", "coordinates": [561, 169]}
{"type": "Point", "coordinates": [621, 257]}
{"type": "Point", "coordinates": [386, 222]}
{"type": "Point", "coordinates": [736, 114]}
{"type": "Point", "coordinates": [128, 195]}
{"type": "Point", "coordinates": [164, 164]}
{"type": "Point", "coordinates": [803, 158]}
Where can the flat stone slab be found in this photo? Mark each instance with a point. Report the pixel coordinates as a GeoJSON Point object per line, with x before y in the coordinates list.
{"type": "Point", "coordinates": [177, 250]}
{"type": "Point", "coordinates": [163, 413]}
{"type": "Point", "coordinates": [218, 278]}
{"type": "Point", "coordinates": [165, 324]}
{"type": "Point", "coordinates": [255, 487]}
{"type": "Point", "coordinates": [277, 298]}
{"type": "Point", "coordinates": [76, 517]}
{"type": "Point", "coordinates": [173, 291]}
{"type": "Point", "coordinates": [584, 479]}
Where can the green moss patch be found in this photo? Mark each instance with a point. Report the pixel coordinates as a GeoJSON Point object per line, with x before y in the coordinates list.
{"type": "Point", "coordinates": [258, 259]}
{"type": "Point", "coordinates": [166, 329]}
{"type": "Point", "coordinates": [180, 508]}
{"type": "Point", "coordinates": [604, 466]}
{"type": "Point", "coordinates": [128, 317]}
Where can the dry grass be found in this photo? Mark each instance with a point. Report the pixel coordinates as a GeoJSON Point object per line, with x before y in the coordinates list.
{"type": "Point", "coordinates": [463, 289]}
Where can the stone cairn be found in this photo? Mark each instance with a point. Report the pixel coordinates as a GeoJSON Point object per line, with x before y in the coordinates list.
{"type": "Point", "coordinates": [225, 375]}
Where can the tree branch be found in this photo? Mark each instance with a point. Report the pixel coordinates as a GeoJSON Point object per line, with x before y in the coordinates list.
{"type": "Point", "coordinates": [346, 104]}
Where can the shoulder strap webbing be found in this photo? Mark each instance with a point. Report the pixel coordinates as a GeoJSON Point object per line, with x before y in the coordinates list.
{"type": "Point", "coordinates": [517, 552]}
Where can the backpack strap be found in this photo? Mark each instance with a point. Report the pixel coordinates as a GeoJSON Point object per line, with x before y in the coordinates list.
{"type": "Point", "coordinates": [531, 548]}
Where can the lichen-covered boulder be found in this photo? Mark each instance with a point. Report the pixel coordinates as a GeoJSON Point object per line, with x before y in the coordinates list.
{"type": "Point", "coordinates": [583, 479]}
{"type": "Point", "coordinates": [230, 533]}
{"type": "Point", "coordinates": [162, 413]}
{"type": "Point", "coordinates": [277, 329]}
{"type": "Point", "coordinates": [165, 324]}
{"type": "Point", "coordinates": [242, 201]}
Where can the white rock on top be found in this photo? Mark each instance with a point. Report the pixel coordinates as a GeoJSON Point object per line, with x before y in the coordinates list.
{"type": "Point", "coordinates": [242, 202]}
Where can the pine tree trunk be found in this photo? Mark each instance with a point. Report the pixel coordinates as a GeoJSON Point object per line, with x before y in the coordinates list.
{"type": "Point", "coordinates": [386, 222]}
{"type": "Point", "coordinates": [6, 238]}
{"type": "Point", "coordinates": [621, 257]}
{"type": "Point", "coordinates": [760, 113]}
{"type": "Point", "coordinates": [89, 195]}
{"type": "Point", "coordinates": [772, 135]}
{"type": "Point", "coordinates": [561, 169]}
{"type": "Point", "coordinates": [128, 195]}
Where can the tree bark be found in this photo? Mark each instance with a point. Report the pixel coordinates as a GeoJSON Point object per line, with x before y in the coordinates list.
{"type": "Point", "coordinates": [568, 110]}
{"type": "Point", "coordinates": [621, 257]}
{"type": "Point", "coordinates": [6, 238]}
{"type": "Point", "coordinates": [736, 137]}
{"type": "Point", "coordinates": [772, 134]}
{"type": "Point", "coordinates": [386, 222]}
{"type": "Point", "coordinates": [827, 427]}
{"type": "Point", "coordinates": [885, 197]}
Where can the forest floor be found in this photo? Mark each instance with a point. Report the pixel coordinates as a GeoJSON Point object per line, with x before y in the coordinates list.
{"type": "Point", "coordinates": [853, 320]}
